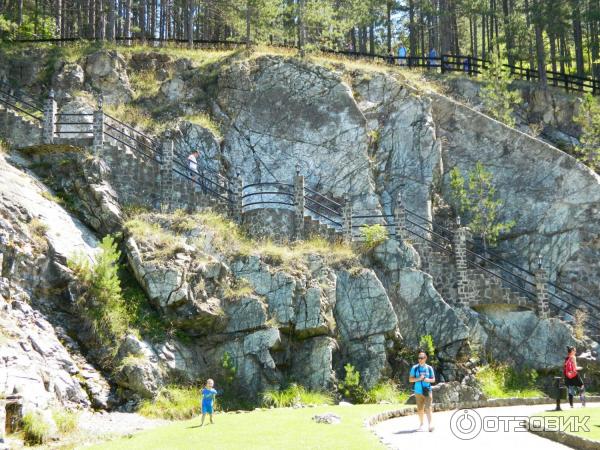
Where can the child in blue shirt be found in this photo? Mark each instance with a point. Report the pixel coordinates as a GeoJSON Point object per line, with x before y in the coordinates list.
{"type": "Point", "coordinates": [208, 397]}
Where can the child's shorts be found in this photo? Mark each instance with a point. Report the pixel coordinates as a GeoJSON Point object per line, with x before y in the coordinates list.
{"type": "Point", "coordinates": [207, 408]}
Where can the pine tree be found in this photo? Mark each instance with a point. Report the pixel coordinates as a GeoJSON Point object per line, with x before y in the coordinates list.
{"type": "Point", "coordinates": [498, 99]}
{"type": "Point", "coordinates": [476, 200]}
{"type": "Point", "coordinates": [588, 118]}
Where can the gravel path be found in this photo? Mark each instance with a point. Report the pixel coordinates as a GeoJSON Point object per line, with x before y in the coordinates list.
{"type": "Point", "coordinates": [115, 423]}
{"type": "Point", "coordinates": [400, 433]}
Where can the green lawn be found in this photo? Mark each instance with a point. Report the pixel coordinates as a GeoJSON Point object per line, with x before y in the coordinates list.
{"type": "Point", "coordinates": [592, 410]}
{"type": "Point", "coordinates": [275, 428]}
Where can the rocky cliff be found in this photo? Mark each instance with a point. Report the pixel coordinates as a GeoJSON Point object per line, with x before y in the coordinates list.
{"type": "Point", "coordinates": [288, 312]}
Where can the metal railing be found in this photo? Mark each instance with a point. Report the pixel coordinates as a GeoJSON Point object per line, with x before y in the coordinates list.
{"type": "Point", "coordinates": [21, 102]}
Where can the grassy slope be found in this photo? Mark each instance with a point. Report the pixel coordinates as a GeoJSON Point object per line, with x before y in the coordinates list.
{"type": "Point", "coordinates": [276, 428]}
{"type": "Point", "coordinates": [593, 411]}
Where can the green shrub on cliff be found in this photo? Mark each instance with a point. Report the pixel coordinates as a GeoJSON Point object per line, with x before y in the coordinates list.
{"type": "Point", "coordinates": [501, 381]}
{"type": "Point", "coordinates": [101, 301]}
{"type": "Point", "coordinates": [588, 118]}
{"type": "Point", "coordinates": [373, 235]}
{"type": "Point", "coordinates": [387, 391]}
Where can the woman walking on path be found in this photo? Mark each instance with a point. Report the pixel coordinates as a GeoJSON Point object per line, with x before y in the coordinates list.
{"type": "Point", "coordinates": [572, 378]}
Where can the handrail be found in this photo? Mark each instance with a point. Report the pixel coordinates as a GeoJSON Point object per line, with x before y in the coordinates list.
{"type": "Point", "coordinates": [127, 136]}
{"type": "Point", "coordinates": [135, 149]}
{"type": "Point", "coordinates": [323, 196]}
{"type": "Point", "coordinates": [323, 216]}
{"type": "Point", "coordinates": [322, 206]}
{"type": "Point", "coordinates": [131, 128]}
{"type": "Point", "coordinates": [250, 194]}
{"type": "Point", "coordinates": [202, 187]}
{"type": "Point", "coordinates": [19, 109]}
{"type": "Point", "coordinates": [265, 202]}
{"type": "Point", "coordinates": [267, 183]}
{"type": "Point", "coordinates": [222, 188]}
{"type": "Point", "coordinates": [499, 267]}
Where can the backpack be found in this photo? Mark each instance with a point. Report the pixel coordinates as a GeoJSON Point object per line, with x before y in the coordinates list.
{"type": "Point", "coordinates": [568, 368]}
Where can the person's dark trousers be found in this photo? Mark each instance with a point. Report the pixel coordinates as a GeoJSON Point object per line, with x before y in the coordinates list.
{"type": "Point", "coordinates": [571, 400]}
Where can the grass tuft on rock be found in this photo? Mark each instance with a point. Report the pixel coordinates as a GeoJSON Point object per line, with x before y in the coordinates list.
{"type": "Point", "coordinates": [66, 421]}
{"type": "Point", "coordinates": [387, 391]}
{"type": "Point", "coordinates": [502, 381]}
{"type": "Point", "coordinates": [173, 403]}
{"type": "Point", "coordinates": [294, 395]}
{"type": "Point", "coordinates": [36, 431]}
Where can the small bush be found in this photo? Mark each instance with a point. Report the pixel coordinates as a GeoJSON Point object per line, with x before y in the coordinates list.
{"type": "Point", "coordinates": [579, 324]}
{"type": "Point", "coordinates": [295, 395]}
{"type": "Point", "coordinates": [387, 391]}
{"type": "Point", "coordinates": [66, 421]}
{"type": "Point", "coordinates": [173, 403]}
{"type": "Point", "coordinates": [373, 235]}
{"type": "Point", "coordinates": [36, 431]}
{"type": "Point", "coordinates": [241, 288]}
{"type": "Point", "coordinates": [102, 304]}
{"type": "Point", "coordinates": [501, 381]}
{"type": "Point", "coordinates": [350, 388]}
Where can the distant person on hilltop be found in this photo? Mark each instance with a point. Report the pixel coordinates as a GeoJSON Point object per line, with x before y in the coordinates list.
{"type": "Point", "coordinates": [208, 398]}
{"type": "Point", "coordinates": [433, 54]}
{"type": "Point", "coordinates": [402, 54]}
{"type": "Point", "coordinates": [573, 380]}
{"type": "Point", "coordinates": [422, 376]}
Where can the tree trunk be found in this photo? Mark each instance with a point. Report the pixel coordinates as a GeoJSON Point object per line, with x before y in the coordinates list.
{"type": "Point", "coordinates": [389, 25]}
{"type": "Point", "coordinates": [578, 38]}
{"type": "Point", "coordinates": [508, 33]}
{"type": "Point", "coordinates": [539, 46]}
{"type": "Point", "coordinates": [301, 33]}
{"type": "Point", "coordinates": [372, 39]}
{"type": "Point", "coordinates": [412, 28]}
{"type": "Point", "coordinates": [248, 15]}
{"type": "Point", "coordinates": [190, 23]}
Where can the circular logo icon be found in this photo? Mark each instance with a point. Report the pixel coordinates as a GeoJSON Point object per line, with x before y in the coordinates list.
{"type": "Point", "coordinates": [465, 424]}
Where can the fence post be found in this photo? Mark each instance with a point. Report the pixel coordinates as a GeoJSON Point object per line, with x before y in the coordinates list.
{"type": "Point", "coordinates": [442, 63]}
{"type": "Point", "coordinates": [470, 63]}
{"type": "Point", "coordinates": [166, 176]}
{"type": "Point", "coordinates": [541, 278]}
{"type": "Point", "coordinates": [49, 128]}
{"type": "Point", "coordinates": [299, 203]}
{"type": "Point", "coordinates": [400, 219]}
{"type": "Point", "coordinates": [460, 256]}
{"type": "Point", "coordinates": [98, 128]}
{"type": "Point", "coordinates": [347, 224]}
{"type": "Point", "coordinates": [237, 198]}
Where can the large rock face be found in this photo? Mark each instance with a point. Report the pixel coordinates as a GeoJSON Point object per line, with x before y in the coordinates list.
{"type": "Point", "coordinates": [554, 200]}
{"type": "Point", "coordinates": [37, 357]}
{"type": "Point", "coordinates": [408, 156]}
{"type": "Point", "coordinates": [106, 72]}
{"type": "Point", "coordinates": [520, 338]}
{"type": "Point", "coordinates": [282, 112]}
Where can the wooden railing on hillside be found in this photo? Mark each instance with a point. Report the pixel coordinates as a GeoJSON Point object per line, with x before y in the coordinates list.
{"type": "Point", "coordinates": [444, 63]}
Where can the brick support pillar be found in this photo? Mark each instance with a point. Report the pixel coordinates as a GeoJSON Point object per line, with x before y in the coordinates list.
{"type": "Point", "coordinates": [541, 278]}
{"type": "Point", "coordinates": [400, 219]}
{"type": "Point", "coordinates": [98, 128]}
{"type": "Point", "coordinates": [460, 255]}
{"type": "Point", "coordinates": [299, 204]}
{"type": "Point", "coordinates": [347, 223]}
{"type": "Point", "coordinates": [49, 125]}
{"type": "Point", "coordinates": [166, 177]}
{"type": "Point", "coordinates": [236, 206]}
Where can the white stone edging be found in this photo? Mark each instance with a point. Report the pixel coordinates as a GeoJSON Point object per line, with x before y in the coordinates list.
{"type": "Point", "coordinates": [491, 403]}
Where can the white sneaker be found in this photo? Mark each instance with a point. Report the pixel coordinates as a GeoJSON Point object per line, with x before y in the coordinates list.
{"type": "Point", "coordinates": [431, 428]}
{"type": "Point", "coordinates": [420, 428]}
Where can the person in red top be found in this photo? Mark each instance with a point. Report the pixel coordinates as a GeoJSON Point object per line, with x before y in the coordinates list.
{"type": "Point", "coordinates": [572, 377]}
